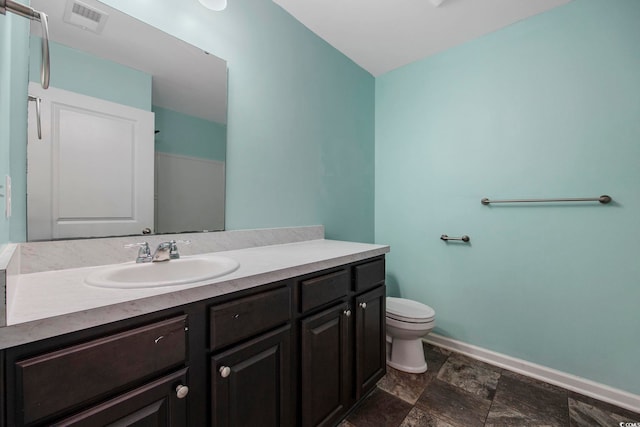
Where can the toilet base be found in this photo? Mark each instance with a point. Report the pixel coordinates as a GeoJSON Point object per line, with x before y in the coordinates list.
{"type": "Point", "coordinates": [407, 356]}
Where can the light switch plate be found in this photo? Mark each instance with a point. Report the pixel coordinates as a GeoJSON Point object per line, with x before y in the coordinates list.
{"type": "Point", "coordinates": [8, 196]}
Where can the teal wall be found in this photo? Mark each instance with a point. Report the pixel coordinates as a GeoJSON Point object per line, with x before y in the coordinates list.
{"type": "Point", "coordinates": [76, 71]}
{"type": "Point", "coordinates": [14, 32]}
{"type": "Point", "coordinates": [300, 133]}
{"type": "Point", "coordinates": [548, 107]}
{"type": "Point", "coordinates": [18, 126]}
{"type": "Point", "coordinates": [189, 136]}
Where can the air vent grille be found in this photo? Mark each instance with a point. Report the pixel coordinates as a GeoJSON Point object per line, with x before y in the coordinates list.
{"type": "Point", "coordinates": [85, 16]}
{"type": "Point", "coordinates": [85, 12]}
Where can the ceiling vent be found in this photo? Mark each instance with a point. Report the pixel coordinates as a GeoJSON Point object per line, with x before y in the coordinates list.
{"type": "Point", "coordinates": [84, 16]}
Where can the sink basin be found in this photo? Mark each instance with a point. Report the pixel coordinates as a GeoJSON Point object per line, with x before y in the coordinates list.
{"type": "Point", "coordinates": [188, 269]}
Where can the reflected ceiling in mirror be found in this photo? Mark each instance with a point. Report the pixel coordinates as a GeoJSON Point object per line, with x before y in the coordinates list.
{"type": "Point", "coordinates": [109, 62]}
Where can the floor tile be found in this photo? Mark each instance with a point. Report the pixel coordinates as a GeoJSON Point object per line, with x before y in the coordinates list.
{"type": "Point", "coordinates": [453, 404]}
{"type": "Point", "coordinates": [406, 386]}
{"type": "Point", "coordinates": [519, 397]}
{"type": "Point", "coordinates": [409, 387]}
{"type": "Point", "coordinates": [501, 415]}
{"type": "Point", "coordinates": [380, 409]}
{"type": "Point", "coordinates": [543, 386]}
{"type": "Point", "coordinates": [471, 375]}
{"type": "Point", "coordinates": [419, 418]}
{"type": "Point", "coordinates": [607, 407]}
{"type": "Point", "coordinates": [435, 357]}
{"type": "Point", "coordinates": [583, 414]}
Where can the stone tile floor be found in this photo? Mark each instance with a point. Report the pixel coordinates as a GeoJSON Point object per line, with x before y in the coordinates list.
{"type": "Point", "coordinates": [457, 391]}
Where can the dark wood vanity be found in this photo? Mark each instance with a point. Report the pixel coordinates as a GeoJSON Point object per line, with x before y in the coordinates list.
{"type": "Point", "coordinates": [299, 352]}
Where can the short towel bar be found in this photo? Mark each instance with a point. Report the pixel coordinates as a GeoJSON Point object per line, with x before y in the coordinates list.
{"type": "Point", "coordinates": [464, 238]}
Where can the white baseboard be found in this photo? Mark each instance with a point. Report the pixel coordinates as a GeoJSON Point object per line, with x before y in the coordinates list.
{"type": "Point", "coordinates": [571, 382]}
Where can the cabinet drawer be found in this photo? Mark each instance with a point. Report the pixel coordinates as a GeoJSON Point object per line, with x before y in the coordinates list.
{"type": "Point", "coordinates": [155, 403]}
{"type": "Point", "coordinates": [245, 317]}
{"type": "Point", "coordinates": [53, 382]}
{"type": "Point", "coordinates": [323, 289]}
{"type": "Point", "coordinates": [368, 275]}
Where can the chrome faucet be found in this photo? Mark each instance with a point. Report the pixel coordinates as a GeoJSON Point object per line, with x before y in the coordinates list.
{"type": "Point", "coordinates": [168, 250]}
{"type": "Point", "coordinates": [163, 251]}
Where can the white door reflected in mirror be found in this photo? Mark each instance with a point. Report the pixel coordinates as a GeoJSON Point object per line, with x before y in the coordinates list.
{"type": "Point", "coordinates": [94, 167]}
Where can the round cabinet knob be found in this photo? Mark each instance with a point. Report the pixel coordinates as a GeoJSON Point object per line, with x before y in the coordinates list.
{"type": "Point", "coordinates": [347, 313]}
{"type": "Point", "coordinates": [225, 371]}
{"type": "Point", "coordinates": [182, 391]}
{"type": "Point", "coordinates": [363, 305]}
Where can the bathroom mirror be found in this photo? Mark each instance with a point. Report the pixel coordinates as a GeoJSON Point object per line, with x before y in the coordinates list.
{"type": "Point", "coordinates": [130, 138]}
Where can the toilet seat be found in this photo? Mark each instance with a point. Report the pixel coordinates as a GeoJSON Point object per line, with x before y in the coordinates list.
{"type": "Point", "coordinates": [409, 319]}
{"type": "Point", "coordinates": [409, 311]}
{"type": "Point", "coordinates": [410, 326]}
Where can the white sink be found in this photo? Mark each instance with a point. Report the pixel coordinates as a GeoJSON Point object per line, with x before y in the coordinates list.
{"type": "Point", "coordinates": [188, 269]}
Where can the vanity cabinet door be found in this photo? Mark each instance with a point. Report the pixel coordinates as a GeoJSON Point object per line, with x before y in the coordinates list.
{"type": "Point", "coordinates": [370, 339]}
{"type": "Point", "coordinates": [325, 368]}
{"type": "Point", "coordinates": [161, 403]}
{"type": "Point", "coordinates": [251, 383]}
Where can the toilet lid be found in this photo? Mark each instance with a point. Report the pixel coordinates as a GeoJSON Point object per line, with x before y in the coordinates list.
{"type": "Point", "coordinates": [401, 309]}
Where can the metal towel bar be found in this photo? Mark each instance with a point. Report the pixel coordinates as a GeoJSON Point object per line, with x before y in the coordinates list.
{"type": "Point", "coordinates": [38, 121]}
{"type": "Point", "coordinates": [604, 199]}
{"type": "Point", "coordinates": [29, 12]}
{"type": "Point", "coordinates": [464, 238]}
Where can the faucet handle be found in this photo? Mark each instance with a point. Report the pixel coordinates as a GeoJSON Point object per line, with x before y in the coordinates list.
{"type": "Point", "coordinates": [173, 248]}
{"type": "Point", "coordinates": [184, 242]}
{"type": "Point", "coordinates": [136, 245]}
{"type": "Point", "coordinates": [144, 252]}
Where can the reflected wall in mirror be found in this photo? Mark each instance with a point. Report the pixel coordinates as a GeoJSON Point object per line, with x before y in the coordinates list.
{"type": "Point", "coordinates": [132, 130]}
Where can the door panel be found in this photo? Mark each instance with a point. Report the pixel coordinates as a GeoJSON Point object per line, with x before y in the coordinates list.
{"type": "Point", "coordinates": [324, 366]}
{"type": "Point", "coordinates": [93, 153]}
{"type": "Point", "coordinates": [370, 313]}
{"type": "Point", "coordinates": [255, 391]}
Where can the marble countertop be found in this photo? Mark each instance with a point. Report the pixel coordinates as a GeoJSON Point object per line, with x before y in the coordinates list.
{"type": "Point", "coordinates": [52, 303]}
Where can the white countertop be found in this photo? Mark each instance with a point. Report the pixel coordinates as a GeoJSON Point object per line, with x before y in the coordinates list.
{"type": "Point", "coordinates": [51, 303]}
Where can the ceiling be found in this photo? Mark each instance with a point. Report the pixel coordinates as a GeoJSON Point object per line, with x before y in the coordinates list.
{"type": "Point", "coordinates": [383, 35]}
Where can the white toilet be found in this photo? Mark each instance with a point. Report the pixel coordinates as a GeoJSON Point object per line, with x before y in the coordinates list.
{"type": "Point", "coordinates": [407, 322]}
